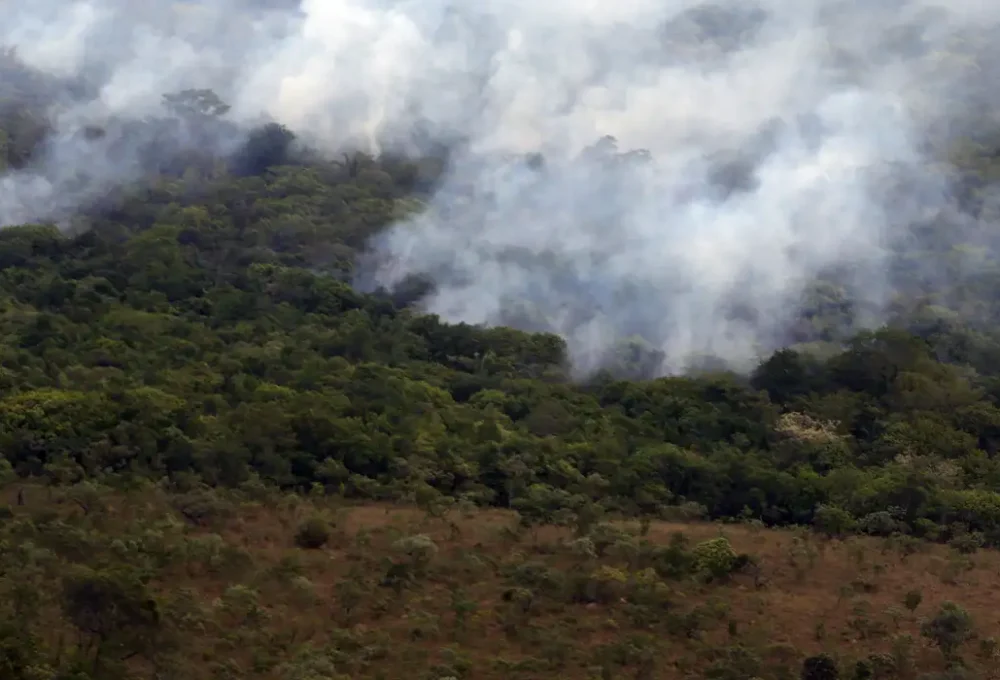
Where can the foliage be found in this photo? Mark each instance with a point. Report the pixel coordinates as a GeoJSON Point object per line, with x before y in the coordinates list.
{"type": "Point", "coordinates": [132, 589]}
{"type": "Point", "coordinates": [715, 558]}
{"type": "Point", "coordinates": [312, 534]}
{"type": "Point", "coordinates": [211, 338]}
{"type": "Point", "coordinates": [912, 599]}
{"type": "Point", "coordinates": [820, 667]}
{"type": "Point", "coordinates": [949, 629]}
{"type": "Point", "coordinates": [195, 341]}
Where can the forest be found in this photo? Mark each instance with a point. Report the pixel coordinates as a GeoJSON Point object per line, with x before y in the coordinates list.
{"type": "Point", "coordinates": [221, 460]}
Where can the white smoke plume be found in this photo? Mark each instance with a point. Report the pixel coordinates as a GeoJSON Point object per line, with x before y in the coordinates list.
{"type": "Point", "coordinates": [775, 139]}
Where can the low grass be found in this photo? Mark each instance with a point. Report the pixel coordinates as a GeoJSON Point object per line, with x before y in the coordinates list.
{"type": "Point", "coordinates": [396, 592]}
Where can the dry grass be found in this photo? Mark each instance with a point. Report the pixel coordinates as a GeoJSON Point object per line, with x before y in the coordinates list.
{"type": "Point", "coordinates": [844, 598]}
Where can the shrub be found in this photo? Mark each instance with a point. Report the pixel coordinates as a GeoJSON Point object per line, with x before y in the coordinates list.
{"type": "Point", "coordinates": [674, 560]}
{"type": "Point", "coordinates": [912, 599]}
{"type": "Point", "coordinates": [968, 543]}
{"type": "Point", "coordinates": [606, 585]}
{"type": "Point", "coordinates": [417, 550]}
{"type": "Point", "coordinates": [715, 558]}
{"type": "Point", "coordinates": [734, 663]}
{"type": "Point", "coordinates": [949, 629]}
{"type": "Point", "coordinates": [605, 535]}
{"type": "Point", "coordinates": [833, 521]}
{"type": "Point", "coordinates": [312, 534]}
{"type": "Point", "coordinates": [819, 667]}
{"type": "Point", "coordinates": [880, 523]}
{"type": "Point", "coordinates": [201, 507]}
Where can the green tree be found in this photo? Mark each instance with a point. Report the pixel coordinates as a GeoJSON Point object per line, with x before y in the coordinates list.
{"type": "Point", "coordinates": [116, 613]}
{"type": "Point", "coordinates": [715, 558]}
{"type": "Point", "coordinates": [949, 629]}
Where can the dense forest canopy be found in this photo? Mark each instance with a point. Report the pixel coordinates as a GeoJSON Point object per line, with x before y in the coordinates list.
{"type": "Point", "coordinates": [200, 323]}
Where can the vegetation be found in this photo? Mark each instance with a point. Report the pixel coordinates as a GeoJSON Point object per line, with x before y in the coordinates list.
{"type": "Point", "coordinates": [213, 447]}
{"type": "Point", "coordinates": [129, 586]}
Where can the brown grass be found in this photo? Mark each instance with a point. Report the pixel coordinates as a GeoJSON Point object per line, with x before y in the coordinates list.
{"type": "Point", "coordinates": [816, 595]}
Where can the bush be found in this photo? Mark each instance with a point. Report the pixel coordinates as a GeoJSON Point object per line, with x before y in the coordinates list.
{"type": "Point", "coordinates": [734, 663]}
{"type": "Point", "coordinates": [833, 521]}
{"type": "Point", "coordinates": [201, 507]}
{"type": "Point", "coordinates": [674, 560]}
{"type": "Point", "coordinates": [968, 543]}
{"type": "Point", "coordinates": [880, 523]}
{"type": "Point", "coordinates": [418, 551]}
{"type": "Point", "coordinates": [715, 557]}
{"type": "Point", "coordinates": [606, 585]}
{"type": "Point", "coordinates": [312, 534]}
{"type": "Point", "coordinates": [950, 628]}
{"type": "Point", "coordinates": [820, 667]}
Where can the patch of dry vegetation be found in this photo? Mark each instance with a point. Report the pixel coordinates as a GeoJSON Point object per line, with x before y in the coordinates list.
{"type": "Point", "coordinates": [264, 585]}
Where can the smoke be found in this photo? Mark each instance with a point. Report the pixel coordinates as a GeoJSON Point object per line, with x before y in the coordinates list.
{"type": "Point", "coordinates": [748, 147]}
{"type": "Point", "coordinates": [779, 142]}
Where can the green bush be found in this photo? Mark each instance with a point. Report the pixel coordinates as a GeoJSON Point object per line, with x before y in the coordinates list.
{"type": "Point", "coordinates": [312, 534]}
{"type": "Point", "coordinates": [715, 558]}
{"type": "Point", "coordinates": [833, 521]}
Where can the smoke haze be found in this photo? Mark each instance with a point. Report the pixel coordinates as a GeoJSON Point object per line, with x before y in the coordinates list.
{"type": "Point", "coordinates": [771, 141]}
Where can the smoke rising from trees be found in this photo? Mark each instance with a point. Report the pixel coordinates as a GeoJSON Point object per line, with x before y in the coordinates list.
{"type": "Point", "coordinates": [681, 171]}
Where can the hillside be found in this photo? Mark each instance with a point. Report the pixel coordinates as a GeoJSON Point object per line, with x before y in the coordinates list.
{"type": "Point", "coordinates": [105, 582]}
{"type": "Point", "coordinates": [187, 376]}
{"type": "Point", "coordinates": [207, 337]}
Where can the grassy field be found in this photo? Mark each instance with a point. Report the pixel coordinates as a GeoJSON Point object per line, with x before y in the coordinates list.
{"type": "Point", "coordinates": [397, 592]}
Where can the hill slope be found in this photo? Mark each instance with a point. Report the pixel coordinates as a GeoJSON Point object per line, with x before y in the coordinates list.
{"type": "Point", "coordinates": [392, 592]}
{"type": "Point", "coordinates": [193, 335]}
{"type": "Point", "coordinates": [185, 365]}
